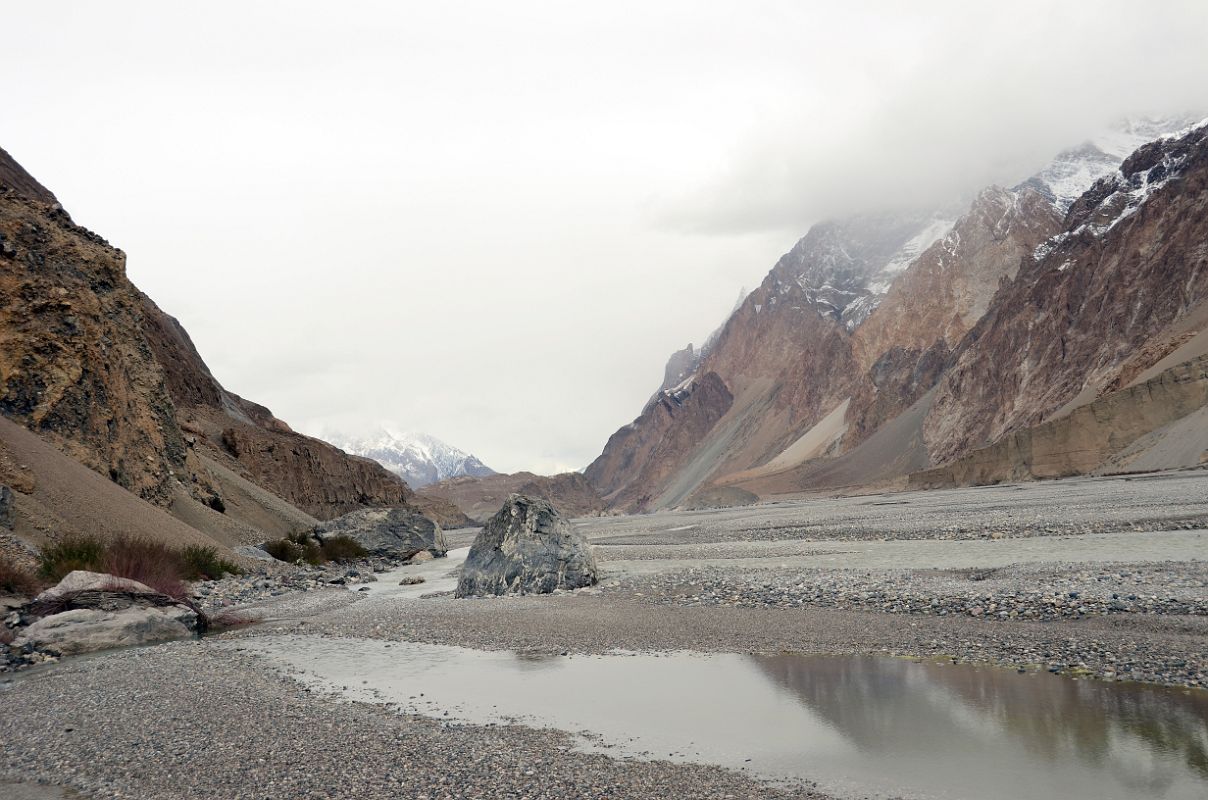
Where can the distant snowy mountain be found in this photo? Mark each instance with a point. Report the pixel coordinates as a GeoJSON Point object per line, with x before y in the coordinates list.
{"type": "Point", "coordinates": [417, 458]}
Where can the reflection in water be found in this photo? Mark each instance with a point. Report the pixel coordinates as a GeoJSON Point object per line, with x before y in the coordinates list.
{"type": "Point", "coordinates": [895, 706]}
{"type": "Point", "coordinates": [858, 726]}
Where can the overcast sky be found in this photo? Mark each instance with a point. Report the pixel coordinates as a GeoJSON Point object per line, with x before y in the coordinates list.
{"type": "Point", "coordinates": [492, 222]}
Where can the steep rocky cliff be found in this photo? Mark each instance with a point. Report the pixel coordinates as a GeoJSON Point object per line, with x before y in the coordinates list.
{"type": "Point", "coordinates": [904, 345]}
{"type": "Point", "coordinates": [91, 365]}
{"type": "Point", "coordinates": [1131, 262]}
{"type": "Point", "coordinates": [782, 362]}
{"type": "Point", "coordinates": [74, 366]}
{"type": "Point", "coordinates": [1157, 424]}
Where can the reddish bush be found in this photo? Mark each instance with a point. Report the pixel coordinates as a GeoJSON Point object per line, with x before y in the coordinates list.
{"type": "Point", "coordinates": [151, 563]}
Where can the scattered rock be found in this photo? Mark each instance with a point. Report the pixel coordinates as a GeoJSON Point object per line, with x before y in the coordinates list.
{"type": "Point", "coordinates": [411, 580]}
{"type": "Point", "coordinates": [6, 507]}
{"type": "Point", "coordinates": [420, 557]}
{"type": "Point", "coordinates": [388, 532]}
{"type": "Point", "coordinates": [526, 548]}
{"type": "Point", "coordinates": [252, 551]}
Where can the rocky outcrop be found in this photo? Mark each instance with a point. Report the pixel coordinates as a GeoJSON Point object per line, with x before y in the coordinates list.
{"type": "Point", "coordinates": [527, 548]}
{"type": "Point", "coordinates": [97, 591]}
{"type": "Point", "coordinates": [1130, 263]}
{"type": "Point", "coordinates": [680, 367]}
{"type": "Point", "coordinates": [13, 177]}
{"type": "Point", "coordinates": [74, 365]}
{"type": "Point", "coordinates": [90, 364]}
{"type": "Point", "coordinates": [950, 285]}
{"type": "Point", "coordinates": [309, 473]}
{"type": "Point", "coordinates": [397, 533]}
{"type": "Point", "coordinates": [479, 498]}
{"type": "Point", "coordinates": [641, 457]}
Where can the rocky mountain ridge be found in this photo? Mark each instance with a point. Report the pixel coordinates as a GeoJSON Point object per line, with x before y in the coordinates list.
{"type": "Point", "coordinates": [827, 374]}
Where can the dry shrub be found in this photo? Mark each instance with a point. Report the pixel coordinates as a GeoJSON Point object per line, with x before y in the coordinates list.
{"type": "Point", "coordinates": [163, 568]}
{"type": "Point", "coordinates": [16, 579]}
{"type": "Point", "coordinates": [342, 548]}
{"type": "Point", "coordinates": [148, 562]}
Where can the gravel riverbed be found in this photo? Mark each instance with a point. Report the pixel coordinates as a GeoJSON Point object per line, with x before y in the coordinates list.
{"type": "Point", "coordinates": [1103, 579]}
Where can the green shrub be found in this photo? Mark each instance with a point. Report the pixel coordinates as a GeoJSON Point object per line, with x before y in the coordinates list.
{"type": "Point", "coordinates": [203, 563]}
{"type": "Point", "coordinates": [342, 548]}
{"type": "Point", "coordinates": [302, 547]}
{"type": "Point", "coordinates": [72, 553]}
{"type": "Point", "coordinates": [296, 548]}
{"type": "Point", "coordinates": [283, 550]}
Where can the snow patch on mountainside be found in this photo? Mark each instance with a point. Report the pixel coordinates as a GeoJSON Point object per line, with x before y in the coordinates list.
{"type": "Point", "coordinates": [417, 458]}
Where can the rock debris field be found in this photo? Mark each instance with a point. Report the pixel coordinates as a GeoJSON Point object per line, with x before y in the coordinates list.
{"type": "Point", "coordinates": [1098, 579]}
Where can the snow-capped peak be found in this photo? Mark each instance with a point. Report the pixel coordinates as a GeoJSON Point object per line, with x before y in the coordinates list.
{"type": "Point", "coordinates": [418, 458]}
{"type": "Point", "coordinates": [1073, 171]}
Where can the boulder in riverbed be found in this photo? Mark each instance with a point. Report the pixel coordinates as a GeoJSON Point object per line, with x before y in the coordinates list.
{"type": "Point", "coordinates": [526, 548]}
{"type": "Point", "coordinates": [83, 630]}
{"type": "Point", "coordinates": [388, 532]}
{"type": "Point", "coordinates": [98, 591]}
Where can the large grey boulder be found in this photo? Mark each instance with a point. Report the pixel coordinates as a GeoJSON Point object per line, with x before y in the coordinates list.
{"type": "Point", "coordinates": [526, 548]}
{"type": "Point", "coordinates": [85, 630]}
{"type": "Point", "coordinates": [388, 532]}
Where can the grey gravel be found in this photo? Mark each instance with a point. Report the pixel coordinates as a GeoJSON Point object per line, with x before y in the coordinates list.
{"type": "Point", "coordinates": [136, 731]}
{"type": "Point", "coordinates": [1074, 577]}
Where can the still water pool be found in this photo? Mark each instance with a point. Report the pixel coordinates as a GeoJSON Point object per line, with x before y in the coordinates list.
{"type": "Point", "coordinates": [857, 726]}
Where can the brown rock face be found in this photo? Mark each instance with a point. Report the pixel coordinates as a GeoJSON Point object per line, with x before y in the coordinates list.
{"type": "Point", "coordinates": [91, 364]}
{"type": "Point", "coordinates": [905, 342]}
{"type": "Point", "coordinates": [781, 363]}
{"type": "Point", "coordinates": [1131, 262]}
{"type": "Point", "coordinates": [480, 497]}
{"type": "Point", "coordinates": [311, 474]}
{"type": "Point", "coordinates": [14, 177]}
{"type": "Point", "coordinates": [644, 453]}
{"type": "Point", "coordinates": [1089, 437]}
{"type": "Point", "coordinates": [74, 365]}
{"type": "Point", "coordinates": [948, 288]}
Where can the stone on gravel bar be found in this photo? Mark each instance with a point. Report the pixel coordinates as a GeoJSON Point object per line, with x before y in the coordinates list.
{"type": "Point", "coordinates": [84, 581]}
{"type": "Point", "coordinates": [388, 532]}
{"type": "Point", "coordinates": [253, 551]}
{"type": "Point", "coordinates": [84, 630]}
{"type": "Point", "coordinates": [526, 548]}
